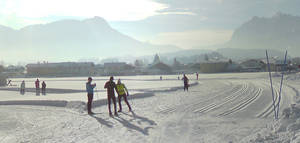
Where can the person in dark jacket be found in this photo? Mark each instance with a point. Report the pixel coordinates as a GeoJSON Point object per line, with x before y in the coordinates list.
{"type": "Point", "coordinates": [43, 88]}
{"type": "Point", "coordinates": [22, 89]}
{"type": "Point", "coordinates": [111, 86]}
{"type": "Point", "coordinates": [185, 83]}
{"type": "Point", "coordinates": [9, 83]}
{"type": "Point", "coordinates": [90, 93]}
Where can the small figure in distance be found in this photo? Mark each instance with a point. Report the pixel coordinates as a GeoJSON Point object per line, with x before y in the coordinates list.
{"type": "Point", "coordinates": [37, 87]}
{"type": "Point", "coordinates": [121, 88]}
{"type": "Point", "coordinates": [90, 93]}
{"type": "Point", "coordinates": [43, 88]}
{"type": "Point", "coordinates": [22, 89]}
{"type": "Point", "coordinates": [185, 83]}
{"type": "Point", "coordinates": [9, 83]}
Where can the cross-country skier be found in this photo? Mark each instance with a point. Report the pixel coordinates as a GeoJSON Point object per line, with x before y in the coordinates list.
{"type": "Point", "coordinates": [43, 88]}
{"type": "Point", "coordinates": [90, 93]}
{"type": "Point", "coordinates": [185, 83]}
{"type": "Point", "coordinates": [121, 88]}
{"type": "Point", "coordinates": [37, 86]}
{"type": "Point", "coordinates": [111, 86]}
{"type": "Point", "coordinates": [22, 91]}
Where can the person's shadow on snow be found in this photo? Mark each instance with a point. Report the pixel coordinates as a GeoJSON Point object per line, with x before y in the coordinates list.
{"type": "Point", "coordinates": [141, 119]}
{"type": "Point", "coordinates": [129, 125]}
{"type": "Point", "coordinates": [102, 121]}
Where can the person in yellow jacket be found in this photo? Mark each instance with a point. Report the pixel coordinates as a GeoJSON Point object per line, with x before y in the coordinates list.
{"type": "Point", "coordinates": [122, 92]}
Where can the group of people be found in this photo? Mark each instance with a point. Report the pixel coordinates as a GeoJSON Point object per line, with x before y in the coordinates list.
{"type": "Point", "coordinates": [111, 87]}
{"type": "Point", "coordinates": [37, 87]}
{"type": "Point", "coordinates": [121, 90]}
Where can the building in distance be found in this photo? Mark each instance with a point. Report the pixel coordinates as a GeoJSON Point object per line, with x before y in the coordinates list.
{"type": "Point", "coordinates": [61, 69]}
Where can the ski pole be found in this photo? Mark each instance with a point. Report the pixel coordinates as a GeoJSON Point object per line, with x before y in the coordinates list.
{"type": "Point", "coordinates": [269, 69]}
{"type": "Point", "coordinates": [97, 93]}
{"type": "Point", "coordinates": [278, 104]}
{"type": "Point", "coordinates": [129, 98]}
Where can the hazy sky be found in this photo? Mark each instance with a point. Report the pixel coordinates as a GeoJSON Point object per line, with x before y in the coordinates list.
{"type": "Point", "coordinates": [185, 23]}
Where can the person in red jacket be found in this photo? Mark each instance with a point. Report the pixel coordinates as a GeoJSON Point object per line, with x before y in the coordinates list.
{"type": "Point", "coordinates": [111, 87]}
{"type": "Point", "coordinates": [37, 86]}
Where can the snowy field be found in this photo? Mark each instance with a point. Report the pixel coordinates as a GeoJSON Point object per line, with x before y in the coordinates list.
{"type": "Point", "coordinates": [218, 108]}
{"type": "Point", "coordinates": [73, 89]}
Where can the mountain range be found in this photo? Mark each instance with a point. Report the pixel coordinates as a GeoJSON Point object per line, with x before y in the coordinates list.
{"type": "Point", "coordinates": [279, 32]}
{"type": "Point", "coordinates": [250, 41]}
{"type": "Point", "coordinates": [72, 40]}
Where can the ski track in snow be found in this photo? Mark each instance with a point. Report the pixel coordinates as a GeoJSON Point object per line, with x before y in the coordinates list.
{"type": "Point", "coordinates": [216, 110]}
{"type": "Point", "coordinates": [232, 98]}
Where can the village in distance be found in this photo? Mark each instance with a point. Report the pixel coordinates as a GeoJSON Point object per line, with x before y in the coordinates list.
{"type": "Point", "coordinates": [205, 63]}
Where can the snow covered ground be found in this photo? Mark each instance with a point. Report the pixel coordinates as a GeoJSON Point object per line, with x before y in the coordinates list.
{"type": "Point", "coordinates": [220, 108]}
{"type": "Point", "coordinates": [73, 89]}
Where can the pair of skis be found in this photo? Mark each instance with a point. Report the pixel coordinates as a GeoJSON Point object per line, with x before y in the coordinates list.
{"type": "Point", "coordinates": [276, 106]}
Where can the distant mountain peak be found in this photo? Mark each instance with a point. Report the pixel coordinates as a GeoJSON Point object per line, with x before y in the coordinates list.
{"type": "Point", "coordinates": [96, 20]}
{"type": "Point", "coordinates": [92, 36]}
{"type": "Point", "coordinates": [279, 32]}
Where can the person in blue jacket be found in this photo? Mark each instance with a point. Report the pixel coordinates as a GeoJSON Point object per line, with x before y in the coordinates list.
{"type": "Point", "coordinates": [90, 93]}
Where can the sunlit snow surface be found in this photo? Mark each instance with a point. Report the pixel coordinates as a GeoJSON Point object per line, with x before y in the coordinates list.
{"type": "Point", "coordinates": [232, 107]}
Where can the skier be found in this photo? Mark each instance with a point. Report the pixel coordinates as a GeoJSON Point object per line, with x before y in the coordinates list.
{"type": "Point", "coordinates": [43, 88]}
{"type": "Point", "coordinates": [121, 88]}
{"type": "Point", "coordinates": [9, 83]}
{"type": "Point", "coordinates": [111, 86]}
{"type": "Point", "coordinates": [37, 86]}
{"type": "Point", "coordinates": [90, 93]}
{"type": "Point", "coordinates": [186, 83]}
{"type": "Point", "coordinates": [197, 75]}
{"type": "Point", "coordinates": [22, 91]}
